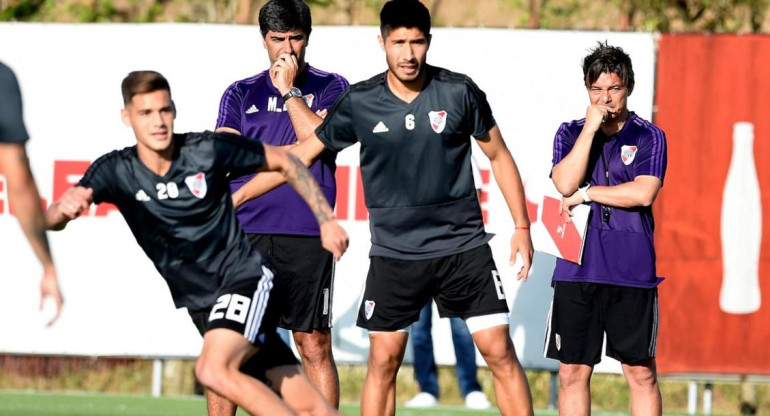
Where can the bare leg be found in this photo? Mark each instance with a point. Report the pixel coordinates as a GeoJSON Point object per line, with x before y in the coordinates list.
{"type": "Point", "coordinates": [645, 393]}
{"type": "Point", "coordinates": [385, 355]}
{"type": "Point", "coordinates": [575, 389]}
{"type": "Point", "coordinates": [218, 405]}
{"type": "Point", "coordinates": [315, 348]}
{"type": "Point", "coordinates": [218, 369]}
{"type": "Point", "coordinates": [511, 386]}
{"type": "Point", "coordinates": [298, 392]}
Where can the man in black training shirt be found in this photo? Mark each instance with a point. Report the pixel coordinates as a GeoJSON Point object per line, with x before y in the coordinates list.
{"type": "Point", "coordinates": [22, 190]}
{"type": "Point", "coordinates": [173, 192]}
{"type": "Point", "coordinates": [414, 123]}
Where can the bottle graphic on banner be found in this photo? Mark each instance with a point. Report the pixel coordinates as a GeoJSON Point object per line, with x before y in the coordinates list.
{"type": "Point", "coordinates": [741, 227]}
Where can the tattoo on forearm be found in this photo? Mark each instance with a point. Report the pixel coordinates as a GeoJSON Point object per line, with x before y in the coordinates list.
{"type": "Point", "coordinates": [300, 178]}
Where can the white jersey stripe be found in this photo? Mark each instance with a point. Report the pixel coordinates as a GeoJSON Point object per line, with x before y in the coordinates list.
{"type": "Point", "coordinates": [250, 319]}
{"type": "Point", "coordinates": [548, 328]}
{"type": "Point", "coordinates": [266, 285]}
{"type": "Point", "coordinates": [261, 296]}
{"type": "Point", "coordinates": [331, 293]}
{"type": "Point", "coordinates": [258, 305]}
{"type": "Point", "coordinates": [361, 297]}
{"type": "Point", "coordinates": [248, 332]}
{"type": "Point", "coordinates": [654, 340]}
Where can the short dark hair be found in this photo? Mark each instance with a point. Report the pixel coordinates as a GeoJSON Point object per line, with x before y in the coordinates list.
{"type": "Point", "coordinates": [404, 13]}
{"type": "Point", "coordinates": [142, 82]}
{"type": "Point", "coordinates": [285, 15]}
{"type": "Point", "coordinates": [608, 59]}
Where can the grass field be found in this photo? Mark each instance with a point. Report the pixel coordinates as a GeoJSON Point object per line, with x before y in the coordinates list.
{"type": "Point", "coordinates": [113, 386]}
{"type": "Point", "coordinates": [15, 403]}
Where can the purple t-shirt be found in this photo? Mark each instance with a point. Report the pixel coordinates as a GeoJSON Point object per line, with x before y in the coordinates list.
{"type": "Point", "coordinates": [254, 107]}
{"type": "Point", "coordinates": [619, 251]}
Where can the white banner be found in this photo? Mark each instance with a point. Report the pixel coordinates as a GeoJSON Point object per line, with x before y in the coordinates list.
{"type": "Point", "coordinates": [116, 304]}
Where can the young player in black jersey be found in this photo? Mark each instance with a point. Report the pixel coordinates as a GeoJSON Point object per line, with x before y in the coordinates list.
{"type": "Point", "coordinates": [173, 192]}
{"type": "Point", "coordinates": [414, 124]}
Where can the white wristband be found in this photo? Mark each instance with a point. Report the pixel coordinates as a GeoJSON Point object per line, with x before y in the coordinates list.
{"type": "Point", "coordinates": [584, 193]}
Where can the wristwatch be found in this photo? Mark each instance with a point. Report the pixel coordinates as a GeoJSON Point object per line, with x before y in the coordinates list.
{"type": "Point", "coordinates": [584, 193]}
{"type": "Point", "coordinates": [293, 92]}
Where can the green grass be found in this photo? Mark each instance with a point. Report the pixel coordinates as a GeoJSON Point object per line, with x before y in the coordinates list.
{"type": "Point", "coordinates": [21, 403]}
{"type": "Point", "coordinates": [79, 404]}
{"type": "Point", "coordinates": [130, 381]}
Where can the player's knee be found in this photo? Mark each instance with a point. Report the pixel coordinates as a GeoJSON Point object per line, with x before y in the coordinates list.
{"type": "Point", "coordinates": [383, 361]}
{"type": "Point", "coordinates": [641, 377]}
{"type": "Point", "coordinates": [203, 372]}
{"type": "Point", "coordinates": [314, 347]}
{"type": "Point", "coordinates": [498, 353]}
{"type": "Point", "coordinates": [573, 376]}
{"type": "Point", "coordinates": [209, 373]}
{"type": "Point", "coordinates": [501, 363]}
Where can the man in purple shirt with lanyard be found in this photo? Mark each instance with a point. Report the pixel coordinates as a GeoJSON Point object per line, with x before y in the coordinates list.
{"type": "Point", "coordinates": [615, 161]}
{"type": "Point", "coordinates": [278, 106]}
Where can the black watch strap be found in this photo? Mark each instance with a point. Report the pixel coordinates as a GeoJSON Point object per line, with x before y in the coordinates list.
{"type": "Point", "coordinates": [293, 92]}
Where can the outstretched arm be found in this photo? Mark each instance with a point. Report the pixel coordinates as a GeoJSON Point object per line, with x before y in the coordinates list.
{"type": "Point", "coordinates": [76, 200]}
{"type": "Point", "coordinates": [333, 237]}
{"type": "Point", "coordinates": [508, 179]}
{"type": "Point", "coordinates": [307, 151]}
{"type": "Point", "coordinates": [25, 202]}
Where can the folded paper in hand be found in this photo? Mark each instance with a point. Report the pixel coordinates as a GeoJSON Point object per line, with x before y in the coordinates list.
{"type": "Point", "coordinates": [558, 237]}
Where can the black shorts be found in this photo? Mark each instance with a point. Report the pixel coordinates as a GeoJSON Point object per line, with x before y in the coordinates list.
{"type": "Point", "coordinates": [581, 313]}
{"type": "Point", "coordinates": [302, 288]}
{"type": "Point", "coordinates": [464, 285]}
{"type": "Point", "coordinates": [273, 352]}
{"type": "Point", "coordinates": [242, 305]}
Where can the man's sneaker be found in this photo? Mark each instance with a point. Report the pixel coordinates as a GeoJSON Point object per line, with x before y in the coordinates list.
{"type": "Point", "coordinates": [477, 400]}
{"type": "Point", "coordinates": [423, 399]}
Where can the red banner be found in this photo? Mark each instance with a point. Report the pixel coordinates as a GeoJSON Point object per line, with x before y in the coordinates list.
{"type": "Point", "coordinates": [714, 319]}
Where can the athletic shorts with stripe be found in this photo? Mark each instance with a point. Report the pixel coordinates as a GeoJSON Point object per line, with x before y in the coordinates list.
{"type": "Point", "coordinates": [581, 313]}
{"type": "Point", "coordinates": [240, 308]}
{"type": "Point", "coordinates": [464, 285]}
{"type": "Point", "coordinates": [304, 280]}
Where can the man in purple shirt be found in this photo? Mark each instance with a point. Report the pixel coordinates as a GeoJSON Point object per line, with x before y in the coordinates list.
{"type": "Point", "coordinates": [615, 161]}
{"type": "Point", "coordinates": [279, 106]}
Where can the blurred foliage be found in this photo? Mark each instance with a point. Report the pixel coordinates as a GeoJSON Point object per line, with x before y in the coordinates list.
{"type": "Point", "coordinates": [732, 16]}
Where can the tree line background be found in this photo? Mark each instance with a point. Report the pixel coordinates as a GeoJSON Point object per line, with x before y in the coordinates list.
{"type": "Point", "coordinates": [721, 16]}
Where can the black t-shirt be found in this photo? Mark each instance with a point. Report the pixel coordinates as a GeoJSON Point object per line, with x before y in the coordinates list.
{"type": "Point", "coordinates": [184, 221]}
{"type": "Point", "coordinates": [12, 128]}
{"type": "Point", "coordinates": [415, 162]}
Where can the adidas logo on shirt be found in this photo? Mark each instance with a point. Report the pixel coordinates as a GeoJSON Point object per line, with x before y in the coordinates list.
{"type": "Point", "coordinates": [253, 109]}
{"type": "Point", "coordinates": [142, 196]}
{"type": "Point", "coordinates": [380, 128]}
